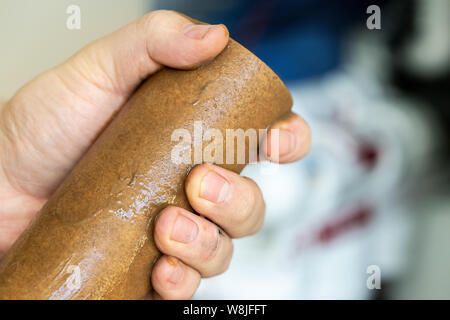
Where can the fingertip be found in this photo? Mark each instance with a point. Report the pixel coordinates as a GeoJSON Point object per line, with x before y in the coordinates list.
{"type": "Point", "coordinates": [180, 43]}
{"type": "Point", "coordinates": [214, 42]}
{"type": "Point", "coordinates": [193, 181]}
{"type": "Point", "coordinates": [217, 36]}
{"type": "Point", "coordinates": [233, 202]}
{"type": "Point", "coordinates": [288, 140]}
{"type": "Point", "coordinates": [196, 50]}
{"type": "Point", "coordinates": [163, 226]}
{"type": "Point", "coordinates": [175, 228]}
{"type": "Point", "coordinates": [196, 184]}
{"type": "Point", "coordinates": [202, 31]}
{"type": "Point", "coordinates": [172, 279]}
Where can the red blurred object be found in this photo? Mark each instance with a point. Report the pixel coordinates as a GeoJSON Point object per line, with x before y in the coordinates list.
{"type": "Point", "coordinates": [368, 154]}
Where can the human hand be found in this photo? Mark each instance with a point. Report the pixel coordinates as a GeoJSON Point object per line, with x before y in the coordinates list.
{"type": "Point", "coordinates": [49, 123]}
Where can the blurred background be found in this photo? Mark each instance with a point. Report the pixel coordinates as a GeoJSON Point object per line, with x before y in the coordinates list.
{"type": "Point", "coordinates": [374, 190]}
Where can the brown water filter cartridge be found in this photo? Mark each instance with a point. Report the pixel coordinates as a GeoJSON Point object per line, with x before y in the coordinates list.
{"type": "Point", "coordinates": [93, 239]}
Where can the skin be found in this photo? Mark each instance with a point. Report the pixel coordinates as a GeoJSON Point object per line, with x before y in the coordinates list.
{"type": "Point", "coordinates": [52, 120]}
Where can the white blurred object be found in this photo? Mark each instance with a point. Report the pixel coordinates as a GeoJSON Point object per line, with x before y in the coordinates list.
{"type": "Point", "coordinates": [35, 37]}
{"type": "Point", "coordinates": [428, 53]}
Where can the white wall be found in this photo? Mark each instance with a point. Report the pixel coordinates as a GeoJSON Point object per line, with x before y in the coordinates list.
{"type": "Point", "coordinates": [34, 36]}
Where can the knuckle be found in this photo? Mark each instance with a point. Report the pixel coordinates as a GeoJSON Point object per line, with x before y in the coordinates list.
{"type": "Point", "coordinates": [210, 246]}
{"type": "Point", "coordinates": [156, 16]}
{"type": "Point", "coordinates": [250, 218]}
{"type": "Point", "coordinates": [258, 225]}
{"type": "Point", "coordinates": [221, 263]}
{"type": "Point", "coordinates": [152, 20]}
{"type": "Point", "coordinates": [145, 24]}
{"type": "Point", "coordinates": [243, 215]}
{"type": "Point", "coordinates": [247, 203]}
{"type": "Point", "coordinates": [226, 263]}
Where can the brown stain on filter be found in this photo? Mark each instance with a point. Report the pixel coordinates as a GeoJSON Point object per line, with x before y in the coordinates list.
{"type": "Point", "coordinates": [99, 222]}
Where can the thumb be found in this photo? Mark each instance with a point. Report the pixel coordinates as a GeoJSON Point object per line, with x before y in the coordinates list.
{"type": "Point", "coordinates": [132, 53]}
{"type": "Point", "coordinates": [54, 118]}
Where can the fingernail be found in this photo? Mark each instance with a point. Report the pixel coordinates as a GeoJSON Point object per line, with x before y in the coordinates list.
{"type": "Point", "coordinates": [177, 271]}
{"type": "Point", "coordinates": [184, 230]}
{"type": "Point", "coordinates": [214, 187]}
{"type": "Point", "coordinates": [196, 31]}
{"type": "Point", "coordinates": [287, 142]}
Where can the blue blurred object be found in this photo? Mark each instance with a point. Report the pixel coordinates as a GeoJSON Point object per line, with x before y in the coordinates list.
{"type": "Point", "coordinates": [298, 39]}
